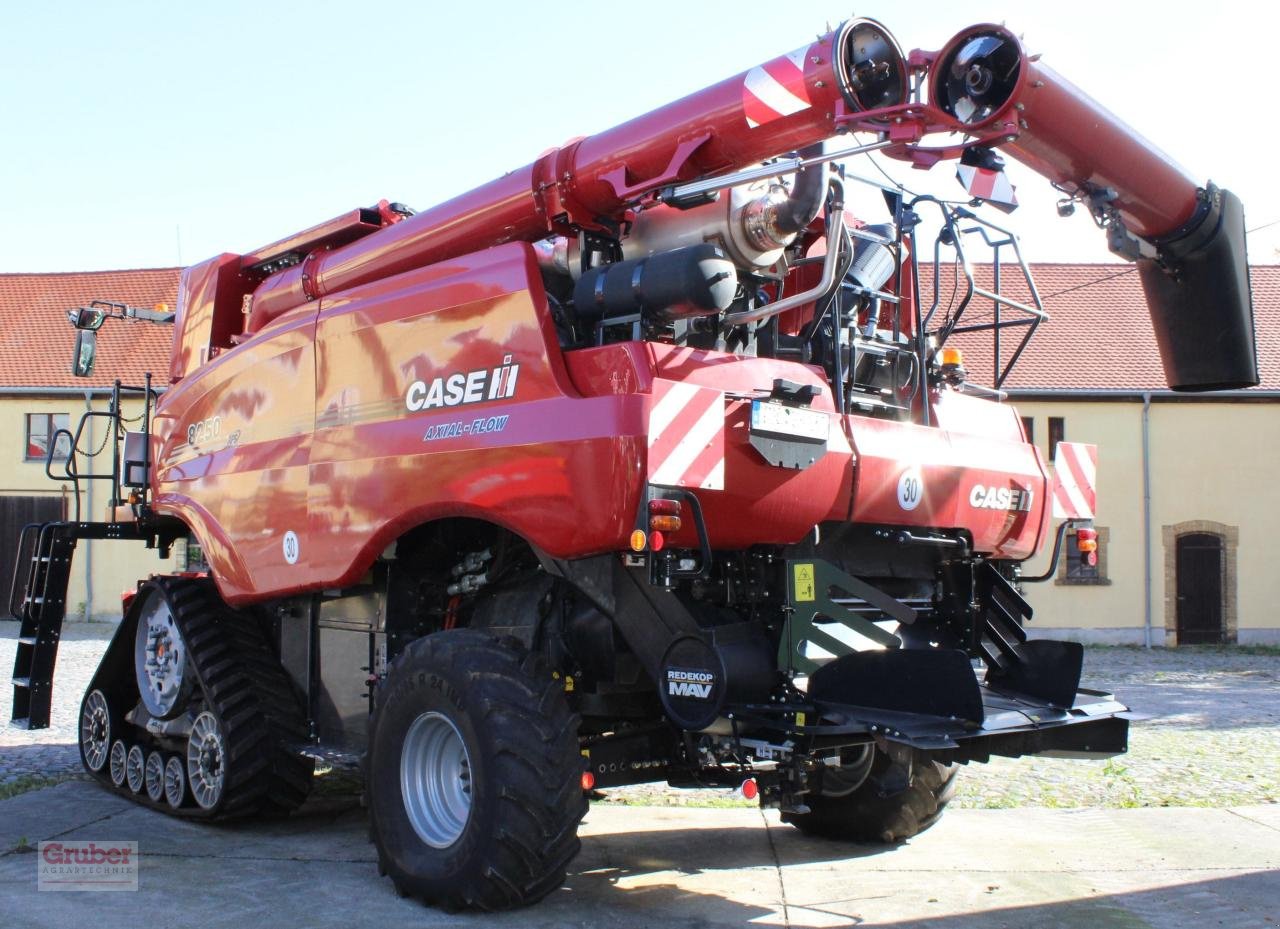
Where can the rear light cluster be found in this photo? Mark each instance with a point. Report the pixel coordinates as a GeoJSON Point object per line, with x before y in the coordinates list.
{"type": "Point", "coordinates": [664, 517]}
{"type": "Point", "coordinates": [1087, 544]}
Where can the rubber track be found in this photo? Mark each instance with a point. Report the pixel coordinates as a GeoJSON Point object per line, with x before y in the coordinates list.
{"type": "Point", "coordinates": [243, 683]}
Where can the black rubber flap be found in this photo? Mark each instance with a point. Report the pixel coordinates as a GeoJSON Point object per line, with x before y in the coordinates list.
{"type": "Point", "coordinates": [938, 682]}
{"type": "Point", "coordinates": [1046, 670]}
{"type": "Point", "coordinates": [1202, 312]}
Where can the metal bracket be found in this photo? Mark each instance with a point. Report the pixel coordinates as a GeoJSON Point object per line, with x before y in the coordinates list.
{"type": "Point", "coordinates": [809, 586]}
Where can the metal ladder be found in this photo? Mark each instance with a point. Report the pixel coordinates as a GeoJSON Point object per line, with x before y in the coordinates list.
{"type": "Point", "coordinates": [48, 549]}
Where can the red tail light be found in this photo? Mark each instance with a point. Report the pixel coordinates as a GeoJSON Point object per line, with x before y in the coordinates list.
{"type": "Point", "coordinates": [664, 515]}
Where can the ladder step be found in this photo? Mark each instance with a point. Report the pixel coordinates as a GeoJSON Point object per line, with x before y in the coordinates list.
{"type": "Point", "coordinates": [22, 682]}
{"type": "Point", "coordinates": [27, 640]}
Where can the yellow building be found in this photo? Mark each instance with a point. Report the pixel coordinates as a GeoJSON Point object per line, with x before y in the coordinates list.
{"type": "Point", "coordinates": [1188, 495]}
{"type": "Point", "coordinates": [39, 396]}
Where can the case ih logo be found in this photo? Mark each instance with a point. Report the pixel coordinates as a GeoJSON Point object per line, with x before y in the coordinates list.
{"type": "Point", "coordinates": [1000, 498]}
{"type": "Point", "coordinates": [460, 389]}
{"type": "Point", "coordinates": [695, 684]}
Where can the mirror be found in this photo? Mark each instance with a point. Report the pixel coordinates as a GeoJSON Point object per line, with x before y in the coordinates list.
{"type": "Point", "coordinates": [86, 348]}
{"type": "Point", "coordinates": [88, 318]}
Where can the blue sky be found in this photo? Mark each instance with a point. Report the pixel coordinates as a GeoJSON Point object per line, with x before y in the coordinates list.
{"type": "Point", "coordinates": [153, 134]}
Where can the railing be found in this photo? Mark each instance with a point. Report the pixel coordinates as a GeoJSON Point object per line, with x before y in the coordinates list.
{"type": "Point", "coordinates": [114, 415]}
{"type": "Point", "coordinates": [958, 223]}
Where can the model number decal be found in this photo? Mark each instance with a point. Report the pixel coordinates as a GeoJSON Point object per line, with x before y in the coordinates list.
{"type": "Point", "coordinates": [204, 431]}
{"type": "Point", "coordinates": [453, 430]}
{"type": "Point", "coordinates": [461, 388]}
{"type": "Point", "coordinates": [1000, 498]}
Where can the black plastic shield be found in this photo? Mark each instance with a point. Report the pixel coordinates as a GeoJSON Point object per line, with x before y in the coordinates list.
{"type": "Point", "coordinates": [1202, 308]}
{"type": "Point", "coordinates": [936, 682]}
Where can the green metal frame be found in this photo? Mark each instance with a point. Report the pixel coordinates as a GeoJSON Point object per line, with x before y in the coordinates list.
{"type": "Point", "coordinates": [810, 582]}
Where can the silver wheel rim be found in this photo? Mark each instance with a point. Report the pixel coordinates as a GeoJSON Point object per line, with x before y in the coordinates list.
{"type": "Point", "coordinates": [95, 731]}
{"type": "Point", "coordinates": [206, 760]}
{"type": "Point", "coordinates": [155, 776]}
{"type": "Point", "coordinates": [119, 759]}
{"type": "Point", "coordinates": [435, 779]}
{"type": "Point", "coordinates": [159, 657]}
{"type": "Point", "coordinates": [175, 781]}
{"type": "Point", "coordinates": [135, 769]}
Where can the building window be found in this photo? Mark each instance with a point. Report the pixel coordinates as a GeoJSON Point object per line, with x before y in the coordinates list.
{"type": "Point", "coordinates": [1074, 570]}
{"type": "Point", "coordinates": [195, 560]}
{"type": "Point", "coordinates": [40, 427]}
{"type": "Point", "coordinates": [1057, 433]}
{"type": "Point", "coordinates": [1029, 429]}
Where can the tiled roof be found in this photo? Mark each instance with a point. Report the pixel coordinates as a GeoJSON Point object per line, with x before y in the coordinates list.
{"type": "Point", "coordinates": [1099, 335]}
{"type": "Point", "coordinates": [36, 341]}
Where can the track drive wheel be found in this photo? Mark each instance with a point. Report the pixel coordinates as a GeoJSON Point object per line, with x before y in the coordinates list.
{"type": "Point", "coordinates": [474, 776]}
{"type": "Point", "coordinates": [865, 807]}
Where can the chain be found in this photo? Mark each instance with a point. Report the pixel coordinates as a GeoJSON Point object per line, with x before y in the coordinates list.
{"type": "Point", "coordinates": [105, 436]}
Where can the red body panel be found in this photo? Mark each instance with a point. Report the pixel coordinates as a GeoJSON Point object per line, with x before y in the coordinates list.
{"type": "Point", "coordinates": [315, 427]}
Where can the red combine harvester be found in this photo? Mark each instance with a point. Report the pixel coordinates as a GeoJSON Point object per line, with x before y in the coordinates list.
{"type": "Point", "coordinates": [645, 462]}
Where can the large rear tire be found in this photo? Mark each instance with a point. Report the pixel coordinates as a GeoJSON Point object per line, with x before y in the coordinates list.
{"type": "Point", "coordinates": [474, 776]}
{"type": "Point", "coordinates": [870, 814]}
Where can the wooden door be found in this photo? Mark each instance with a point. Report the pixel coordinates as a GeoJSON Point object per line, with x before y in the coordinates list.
{"type": "Point", "coordinates": [1199, 584]}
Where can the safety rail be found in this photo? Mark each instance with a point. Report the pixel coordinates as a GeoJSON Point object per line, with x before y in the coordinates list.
{"type": "Point", "coordinates": [959, 222]}
{"type": "Point", "coordinates": [116, 433]}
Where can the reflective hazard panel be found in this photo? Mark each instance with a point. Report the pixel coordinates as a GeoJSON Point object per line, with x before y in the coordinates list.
{"type": "Point", "coordinates": [1075, 469]}
{"type": "Point", "coordinates": [686, 436]}
{"type": "Point", "coordinates": [803, 582]}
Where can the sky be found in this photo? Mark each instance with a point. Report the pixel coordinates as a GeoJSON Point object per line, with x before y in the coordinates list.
{"type": "Point", "coordinates": [160, 134]}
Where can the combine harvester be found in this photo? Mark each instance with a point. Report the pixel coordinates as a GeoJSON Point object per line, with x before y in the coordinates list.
{"type": "Point", "coordinates": [645, 462]}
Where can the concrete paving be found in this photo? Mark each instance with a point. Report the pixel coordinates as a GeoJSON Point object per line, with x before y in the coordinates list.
{"type": "Point", "coordinates": [678, 868]}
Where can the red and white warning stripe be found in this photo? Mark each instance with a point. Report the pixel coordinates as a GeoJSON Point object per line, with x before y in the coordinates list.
{"type": "Point", "coordinates": [686, 436]}
{"type": "Point", "coordinates": [774, 90]}
{"type": "Point", "coordinates": [1075, 494]}
{"type": "Point", "coordinates": [986, 184]}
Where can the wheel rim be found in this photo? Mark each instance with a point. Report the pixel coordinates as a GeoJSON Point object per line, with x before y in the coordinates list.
{"type": "Point", "coordinates": [159, 657]}
{"type": "Point", "coordinates": [119, 760]}
{"type": "Point", "coordinates": [435, 779]}
{"type": "Point", "coordinates": [135, 769]}
{"type": "Point", "coordinates": [175, 781]}
{"type": "Point", "coordinates": [155, 776]}
{"type": "Point", "coordinates": [95, 731]}
{"type": "Point", "coordinates": [206, 768]}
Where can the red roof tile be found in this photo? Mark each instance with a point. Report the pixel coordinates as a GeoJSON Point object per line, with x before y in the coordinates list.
{"type": "Point", "coordinates": [36, 341]}
{"type": "Point", "coordinates": [1098, 336]}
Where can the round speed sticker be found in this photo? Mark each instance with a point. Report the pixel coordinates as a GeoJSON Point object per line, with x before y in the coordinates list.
{"type": "Point", "coordinates": [910, 488]}
{"type": "Point", "coordinates": [291, 547]}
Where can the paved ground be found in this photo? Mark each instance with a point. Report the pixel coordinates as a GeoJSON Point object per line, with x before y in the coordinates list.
{"type": "Point", "coordinates": [1215, 742]}
{"type": "Point", "coordinates": [680, 869]}
{"type": "Point", "coordinates": [1213, 739]}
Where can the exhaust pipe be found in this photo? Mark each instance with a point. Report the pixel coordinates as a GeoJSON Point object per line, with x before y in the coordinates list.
{"type": "Point", "coordinates": [1188, 240]}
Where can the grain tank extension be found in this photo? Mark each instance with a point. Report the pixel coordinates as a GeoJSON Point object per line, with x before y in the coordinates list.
{"type": "Point", "coordinates": [644, 462]}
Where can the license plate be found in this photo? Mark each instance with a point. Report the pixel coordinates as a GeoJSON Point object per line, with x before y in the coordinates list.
{"type": "Point", "coordinates": [779, 419]}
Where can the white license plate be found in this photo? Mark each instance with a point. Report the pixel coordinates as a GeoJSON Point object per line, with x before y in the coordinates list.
{"type": "Point", "coordinates": [789, 420]}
